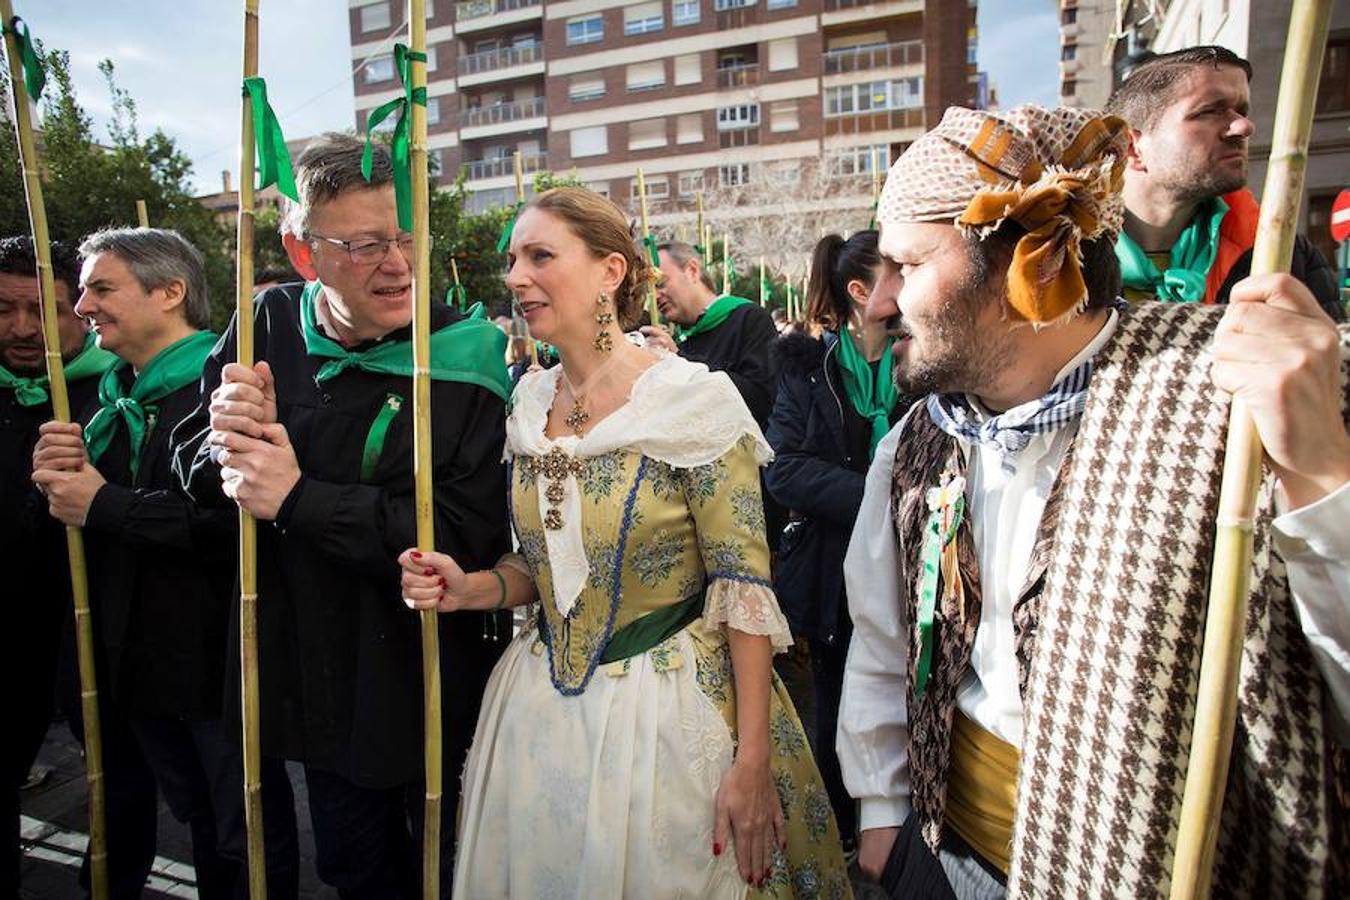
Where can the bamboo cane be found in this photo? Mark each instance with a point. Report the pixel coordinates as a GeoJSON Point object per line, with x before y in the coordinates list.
{"type": "Point", "coordinates": [424, 498]}
{"type": "Point", "coordinates": [726, 262]}
{"type": "Point", "coordinates": [699, 238]}
{"type": "Point", "coordinates": [142, 215]}
{"type": "Point", "coordinates": [454, 275]}
{"type": "Point", "coordinates": [653, 315]}
{"type": "Point", "coordinates": [1216, 699]}
{"type": "Point", "coordinates": [248, 534]}
{"type": "Point", "coordinates": [517, 320]}
{"type": "Point", "coordinates": [56, 383]}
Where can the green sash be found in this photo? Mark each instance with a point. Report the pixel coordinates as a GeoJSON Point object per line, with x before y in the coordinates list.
{"type": "Point", "coordinates": [33, 391]}
{"type": "Point", "coordinates": [714, 315]}
{"type": "Point", "coordinates": [472, 351]}
{"type": "Point", "coordinates": [642, 634]}
{"type": "Point", "coordinates": [874, 397]}
{"type": "Point", "coordinates": [174, 367]}
{"type": "Point", "coordinates": [1188, 263]}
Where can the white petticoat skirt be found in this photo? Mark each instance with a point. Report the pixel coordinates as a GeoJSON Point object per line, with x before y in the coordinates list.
{"type": "Point", "coordinates": [606, 794]}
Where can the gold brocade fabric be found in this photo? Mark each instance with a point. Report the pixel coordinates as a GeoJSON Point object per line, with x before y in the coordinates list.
{"type": "Point", "coordinates": [653, 535]}
{"type": "Point", "coordinates": [982, 790]}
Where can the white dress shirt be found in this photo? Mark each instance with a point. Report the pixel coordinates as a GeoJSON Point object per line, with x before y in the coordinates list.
{"type": "Point", "coordinates": [1005, 509]}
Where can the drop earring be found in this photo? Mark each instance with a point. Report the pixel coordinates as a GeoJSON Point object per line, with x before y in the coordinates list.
{"type": "Point", "coordinates": [604, 342]}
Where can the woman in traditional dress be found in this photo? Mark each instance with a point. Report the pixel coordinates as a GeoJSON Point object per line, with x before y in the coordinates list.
{"type": "Point", "coordinates": [633, 740]}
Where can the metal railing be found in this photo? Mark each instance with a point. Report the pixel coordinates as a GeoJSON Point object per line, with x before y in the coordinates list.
{"type": "Point", "coordinates": [741, 137]}
{"type": "Point", "coordinates": [479, 169]}
{"type": "Point", "coordinates": [738, 76]}
{"type": "Point", "coordinates": [476, 9]}
{"type": "Point", "coordinates": [863, 122]}
{"type": "Point", "coordinates": [502, 112]}
{"type": "Point", "coordinates": [833, 5]}
{"type": "Point", "coordinates": [862, 59]}
{"type": "Point", "coordinates": [501, 58]}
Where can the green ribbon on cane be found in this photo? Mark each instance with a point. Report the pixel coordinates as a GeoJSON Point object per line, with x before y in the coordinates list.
{"type": "Point", "coordinates": [400, 148]}
{"type": "Point", "coordinates": [457, 297]}
{"type": "Point", "coordinates": [274, 160]}
{"type": "Point", "coordinates": [649, 241]}
{"type": "Point", "coordinates": [505, 240]}
{"type": "Point", "coordinates": [34, 74]}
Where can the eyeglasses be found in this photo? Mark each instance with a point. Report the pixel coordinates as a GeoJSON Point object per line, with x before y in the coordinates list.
{"type": "Point", "coordinates": [371, 251]}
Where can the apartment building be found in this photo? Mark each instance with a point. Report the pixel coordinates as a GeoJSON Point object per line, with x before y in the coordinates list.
{"type": "Point", "coordinates": [1100, 40]}
{"type": "Point", "coordinates": [700, 94]}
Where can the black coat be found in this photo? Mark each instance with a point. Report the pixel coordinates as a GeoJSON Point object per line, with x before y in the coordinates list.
{"type": "Point", "coordinates": [340, 661]}
{"type": "Point", "coordinates": [742, 347]}
{"type": "Point", "coordinates": [1307, 265]}
{"type": "Point", "coordinates": [161, 572]}
{"type": "Point", "coordinates": [821, 459]}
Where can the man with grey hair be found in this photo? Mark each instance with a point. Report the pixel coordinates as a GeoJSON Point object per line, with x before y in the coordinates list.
{"type": "Point", "coordinates": [160, 567]}
{"type": "Point", "coordinates": [316, 442]}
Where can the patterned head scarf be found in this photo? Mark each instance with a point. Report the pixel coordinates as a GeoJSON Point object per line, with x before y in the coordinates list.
{"type": "Point", "coordinates": [1055, 172]}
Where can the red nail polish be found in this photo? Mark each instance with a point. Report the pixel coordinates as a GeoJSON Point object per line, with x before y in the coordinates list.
{"type": "Point", "coordinates": [428, 571]}
{"type": "Point", "coordinates": [416, 555]}
{"type": "Point", "coordinates": [441, 581]}
{"type": "Point", "coordinates": [717, 849]}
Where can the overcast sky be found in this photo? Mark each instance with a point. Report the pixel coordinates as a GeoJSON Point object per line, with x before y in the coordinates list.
{"type": "Point", "coordinates": [180, 61]}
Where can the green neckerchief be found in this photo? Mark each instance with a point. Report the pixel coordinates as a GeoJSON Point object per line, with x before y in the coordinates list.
{"type": "Point", "coordinates": [714, 315]}
{"type": "Point", "coordinates": [874, 397]}
{"type": "Point", "coordinates": [472, 350]}
{"type": "Point", "coordinates": [1188, 263]}
{"type": "Point", "coordinates": [33, 391]}
{"type": "Point", "coordinates": [174, 367]}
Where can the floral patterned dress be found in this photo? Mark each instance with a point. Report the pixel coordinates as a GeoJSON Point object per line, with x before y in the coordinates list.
{"type": "Point", "coordinates": [592, 779]}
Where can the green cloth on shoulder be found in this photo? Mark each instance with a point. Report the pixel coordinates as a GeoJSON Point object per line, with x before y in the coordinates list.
{"type": "Point", "coordinates": [874, 397]}
{"type": "Point", "coordinates": [90, 361]}
{"type": "Point", "coordinates": [1189, 261]}
{"type": "Point", "coordinates": [472, 350]}
{"type": "Point", "coordinates": [172, 368]}
{"type": "Point", "coordinates": [714, 315]}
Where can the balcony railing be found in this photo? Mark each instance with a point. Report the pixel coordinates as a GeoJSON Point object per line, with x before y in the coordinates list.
{"type": "Point", "coordinates": [882, 120]}
{"type": "Point", "coordinates": [476, 9]}
{"type": "Point", "coordinates": [834, 5]}
{"type": "Point", "coordinates": [502, 112]}
{"type": "Point", "coordinates": [741, 137]}
{"type": "Point", "coordinates": [503, 58]}
{"type": "Point", "coordinates": [738, 76]}
{"type": "Point", "coordinates": [863, 59]}
{"type": "Point", "coordinates": [479, 169]}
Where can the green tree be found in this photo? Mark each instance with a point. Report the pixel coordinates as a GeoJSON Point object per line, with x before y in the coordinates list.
{"type": "Point", "coordinates": [88, 185]}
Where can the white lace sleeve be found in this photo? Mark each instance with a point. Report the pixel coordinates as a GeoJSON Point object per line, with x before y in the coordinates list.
{"type": "Point", "coordinates": [747, 606]}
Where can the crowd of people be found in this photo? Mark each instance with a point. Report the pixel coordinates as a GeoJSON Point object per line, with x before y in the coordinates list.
{"type": "Point", "coordinates": [913, 590]}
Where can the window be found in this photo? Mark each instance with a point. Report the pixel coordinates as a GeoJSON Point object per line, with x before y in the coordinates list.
{"type": "Point", "coordinates": [587, 87]}
{"type": "Point", "coordinates": [375, 16]}
{"type": "Point", "coordinates": [1068, 52]}
{"type": "Point", "coordinates": [731, 118]}
{"type": "Point", "coordinates": [599, 187]}
{"type": "Point", "coordinates": [733, 176]}
{"type": "Point", "coordinates": [433, 110]}
{"type": "Point", "coordinates": [690, 183]}
{"type": "Point", "coordinates": [784, 117]}
{"type": "Point", "coordinates": [1068, 16]}
{"type": "Point", "coordinates": [585, 30]}
{"type": "Point", "coordinates": [781, 4]}
{"type": "Point", "coordinates": [430, 8]}
{"type": "Point", "coordinates": [786, 174]}
{"type": "Point", "coordinates": [1069, 87]}
{"type": "Point", "coordinates": [431, 58]}
{"type": "Point", "coordinates": [647, 133]}
{"type": "Point", "coordinates": [658, 188]}
{"type": "Point", "coordinates": [689, 129]}
{"type": "Point", "coordinates": [643, 18]}
{"type": "Point", "coordinates": [590, 141]}
{"type": "Point", "coordinates": [724, 5]}
{"type": "Point", "coordinates": [434, 163]}
{"type": "Point", "coordinates": [1333, 94]}
{"type": "Point", "coordinates": [685, 12]}
{"type": "Point", "coordinates": [648, 76]}
{"type": "Point", "coordinates": [783, 54]}
{"type": "Point", "coordinates": [876, 96]}
{"type": "Point", "coordinates": [379, 68]}
{"type": "Point", "coordinates": [856, 160]}
{"type": "Point", "coordinates": [688, 69]}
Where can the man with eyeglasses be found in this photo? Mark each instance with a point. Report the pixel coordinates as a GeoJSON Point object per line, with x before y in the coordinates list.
{"type": "Point", "coordinates": [315, 441]}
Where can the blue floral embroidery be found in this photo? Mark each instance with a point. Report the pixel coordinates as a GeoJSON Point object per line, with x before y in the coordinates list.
{"type": "Point", "coordinates": [655, 560]}
{"type": "Point", "coordinates": [747, 510]}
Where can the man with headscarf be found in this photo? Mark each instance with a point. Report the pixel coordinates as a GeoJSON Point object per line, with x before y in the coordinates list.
{"type": "Point", "coordinates": [1028, 573]}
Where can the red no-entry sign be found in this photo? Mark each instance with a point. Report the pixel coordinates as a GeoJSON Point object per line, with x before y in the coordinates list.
{"type": "Point", "coordinates": [1340, 216]}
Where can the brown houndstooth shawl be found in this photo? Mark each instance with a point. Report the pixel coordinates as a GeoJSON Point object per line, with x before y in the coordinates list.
{"type": "Point", "coordinates": [1109, 654]}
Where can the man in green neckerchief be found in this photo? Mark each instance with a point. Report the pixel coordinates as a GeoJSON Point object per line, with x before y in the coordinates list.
{"type": "Point", "coordinates": [315, 440]}
{"type": "Point", "coordinates": [1190, 221]}
{"type": "Point", "coordinates": [27, 534]}
{"type": "Point", "coordinates": [160, 567]}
